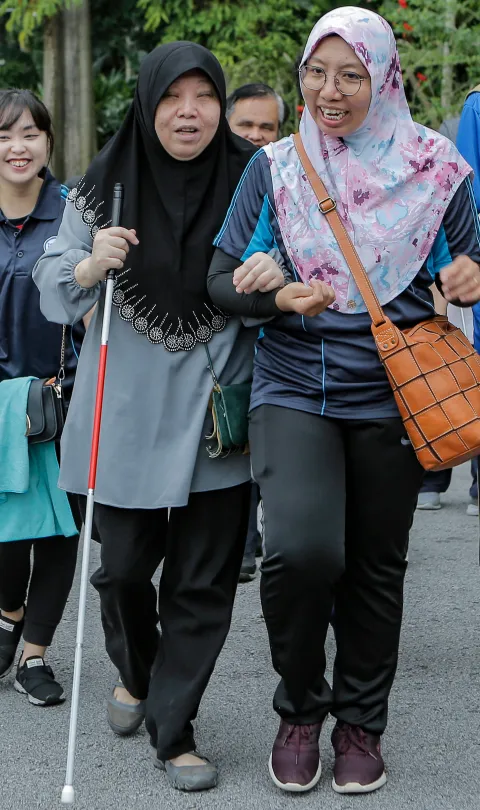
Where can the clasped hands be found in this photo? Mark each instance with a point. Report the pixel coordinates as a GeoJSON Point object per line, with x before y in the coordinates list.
{"type": "Point", "coordinates": [260, 272]}
{"type": "Point", "coordinates": [460, 282]}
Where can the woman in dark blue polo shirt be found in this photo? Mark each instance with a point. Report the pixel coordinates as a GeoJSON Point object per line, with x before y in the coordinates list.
{"type": "Point", "coordinates": [31, 210]}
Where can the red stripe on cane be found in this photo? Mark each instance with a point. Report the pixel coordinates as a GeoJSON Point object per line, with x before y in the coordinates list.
{"type": "Point", "coordinates": [97, 419]}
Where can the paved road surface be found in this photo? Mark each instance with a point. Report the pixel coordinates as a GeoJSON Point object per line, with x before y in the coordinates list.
{"type": "Point", "coordinates": [432, 745]}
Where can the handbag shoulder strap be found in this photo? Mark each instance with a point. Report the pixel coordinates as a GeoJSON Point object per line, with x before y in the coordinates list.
{"type": "Point", "coordinates": [61, 370]}
{"type": "Point", "coordinates": [210, 367]}
{"type": "Point", "coordinates": [328, 208]}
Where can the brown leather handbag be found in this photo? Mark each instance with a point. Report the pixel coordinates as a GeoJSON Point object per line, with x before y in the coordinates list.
{"type": "Point", "coordinates": [432, 368]}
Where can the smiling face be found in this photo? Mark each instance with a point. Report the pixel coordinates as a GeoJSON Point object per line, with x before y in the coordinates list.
{"type": "Point", "coordinates": [23, 150]}
{"type": "Point", "coordinates": [334, 113]}
{"type": "Point", "coordinates": [187, 116]}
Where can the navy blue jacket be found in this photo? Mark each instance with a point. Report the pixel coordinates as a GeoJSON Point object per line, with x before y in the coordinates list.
{"type": "Point", "coordinates": [329, 364]}
{"type": "Point", "coordinates": [468, 143]}
{"type": "Point", "coordinates": [29, 344]}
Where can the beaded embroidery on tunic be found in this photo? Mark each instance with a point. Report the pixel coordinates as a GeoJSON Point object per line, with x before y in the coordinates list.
{"type": "Point", "coordinates": [175, 336]}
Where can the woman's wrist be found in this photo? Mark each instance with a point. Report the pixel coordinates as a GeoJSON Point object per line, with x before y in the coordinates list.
{"type": "Point", "coordinates": [82, 274]}
{"type": "Point", "coordinates": [282, 300]}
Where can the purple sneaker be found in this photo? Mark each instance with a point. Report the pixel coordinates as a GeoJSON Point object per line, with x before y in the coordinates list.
{"type": "Point", "coordinates": [295, 760]}
{"type": "Point", "coordinates": [359, 766]}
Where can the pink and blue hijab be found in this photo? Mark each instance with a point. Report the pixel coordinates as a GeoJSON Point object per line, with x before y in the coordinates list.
{"type": "Point", "coordinates": [392, 179]}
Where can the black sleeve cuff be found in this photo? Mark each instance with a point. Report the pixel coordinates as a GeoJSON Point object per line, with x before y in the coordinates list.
{"type": "Point", "coordinates": [223, 293]}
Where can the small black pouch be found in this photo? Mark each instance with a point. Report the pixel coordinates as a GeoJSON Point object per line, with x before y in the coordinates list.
{"type": "Point", "coordinates": [46, 406]}
{"type": "Point", "coordinates": [45, 411]}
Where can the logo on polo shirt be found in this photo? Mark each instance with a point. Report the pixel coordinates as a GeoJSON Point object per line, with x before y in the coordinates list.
{"type": "Point", "coordinates": [48, 243]}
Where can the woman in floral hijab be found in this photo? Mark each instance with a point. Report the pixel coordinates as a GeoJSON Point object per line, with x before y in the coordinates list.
{"type": "Point", "coordinates": [338, 475]}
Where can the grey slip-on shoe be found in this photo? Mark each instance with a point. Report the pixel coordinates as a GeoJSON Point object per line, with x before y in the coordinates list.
{"type": "Point", "coordinates": [123, 718]}
{"type": "Point", "coordinates": [188, 777]}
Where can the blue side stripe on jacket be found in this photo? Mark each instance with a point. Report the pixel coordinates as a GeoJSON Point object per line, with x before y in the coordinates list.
{"type": "Point", "coordinates": [235, 197]}
{"type": "Point", "coordinates": [439, 255]}
{"type": "Point", "coordinates": [262, 239]}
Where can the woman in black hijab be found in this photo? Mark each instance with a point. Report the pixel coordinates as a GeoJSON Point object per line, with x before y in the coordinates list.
{"type": "Point", "coordinates": [181, 186]}
{"type": "Point", "coordinates": [180, 164]}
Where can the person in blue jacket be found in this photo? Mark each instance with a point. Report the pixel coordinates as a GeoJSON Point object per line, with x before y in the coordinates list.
{"type": "Point", "coordinates": [465, 132]}
{"type": "Point", "coordinates": [32, 201]}
{"type": "Point", "coordinates": [468, 144]}
{"type": "Point", "coordinates": [468, 137]}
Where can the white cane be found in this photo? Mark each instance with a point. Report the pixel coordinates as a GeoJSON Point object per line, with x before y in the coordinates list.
{"type": "Point", "coordinates": [68, 793]}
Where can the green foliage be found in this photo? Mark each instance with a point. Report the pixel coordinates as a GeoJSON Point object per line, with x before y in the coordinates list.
{"type": "Point", "coordinates": [27, 15]}
{"type": "Point", "coordinates": [113, 95]}
{"type": "Point", "coordinates": [17, 68]}
{"type": "Point", "coordinates": [429, 44]}
{"type": "Point", "coordinates": [117, 53]}
{"type": "Point", "coordinates": [156, 13]}
{"type": "Point", "coordinates": [255, 40]}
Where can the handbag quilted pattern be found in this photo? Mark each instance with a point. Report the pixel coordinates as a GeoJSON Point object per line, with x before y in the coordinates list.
{"type": "Point", "coordinates": [435, 376]}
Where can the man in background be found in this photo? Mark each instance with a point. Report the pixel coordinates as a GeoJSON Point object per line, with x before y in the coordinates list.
{"type": "Point", "coordinates": [256, 112]}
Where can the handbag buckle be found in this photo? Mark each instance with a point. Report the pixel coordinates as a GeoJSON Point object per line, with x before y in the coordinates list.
{"type": "Point", "coordinates": [330, 205]}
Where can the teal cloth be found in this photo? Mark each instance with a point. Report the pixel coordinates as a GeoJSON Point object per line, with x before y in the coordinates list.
{"type": "Point", "coordinates": [31, 505]}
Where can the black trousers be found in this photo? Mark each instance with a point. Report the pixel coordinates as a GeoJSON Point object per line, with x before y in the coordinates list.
{"type": "Point", "coordinates": [201, 546]}
{"type": "Point", "coordinates": [252, 534]}
{"type": "Point", "coordinates": [50, 578]}
{"type": "Point", "coordinates": [339, 498]}
{"type": "Point", "coordinates": [436, 481]}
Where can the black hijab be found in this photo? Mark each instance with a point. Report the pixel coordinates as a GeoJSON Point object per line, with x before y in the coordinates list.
{"type": "Point", "coordinates": [176, 207]}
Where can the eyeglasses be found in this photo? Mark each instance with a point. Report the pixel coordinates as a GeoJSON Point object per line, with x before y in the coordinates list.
{"type": "Point", "coordinates": [346, 81]}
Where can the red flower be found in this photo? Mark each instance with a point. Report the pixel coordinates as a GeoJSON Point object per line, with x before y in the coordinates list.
{"type": "Point", "coordinates": [300, 109]}
{"type": "Point", "coordinates": [403, 3]}
{"type": "Point", "coordinates": [407, 27]}
{"type": "Point", "coordinates": [421, 77]}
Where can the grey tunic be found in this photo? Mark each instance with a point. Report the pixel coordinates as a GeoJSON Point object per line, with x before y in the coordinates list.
{"type": "Point", "coordinates": [155, 410]}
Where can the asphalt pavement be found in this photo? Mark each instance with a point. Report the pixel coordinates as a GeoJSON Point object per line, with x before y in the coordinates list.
{"type": "Point", "coordinates": [432, 744]}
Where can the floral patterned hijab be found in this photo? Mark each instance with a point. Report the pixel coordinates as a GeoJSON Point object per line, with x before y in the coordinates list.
{"type": "Point", "coordinates": [392, 178]}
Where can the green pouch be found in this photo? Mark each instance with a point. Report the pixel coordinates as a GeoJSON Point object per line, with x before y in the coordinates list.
{"type": "Point", "coordinates": [230, 405]}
